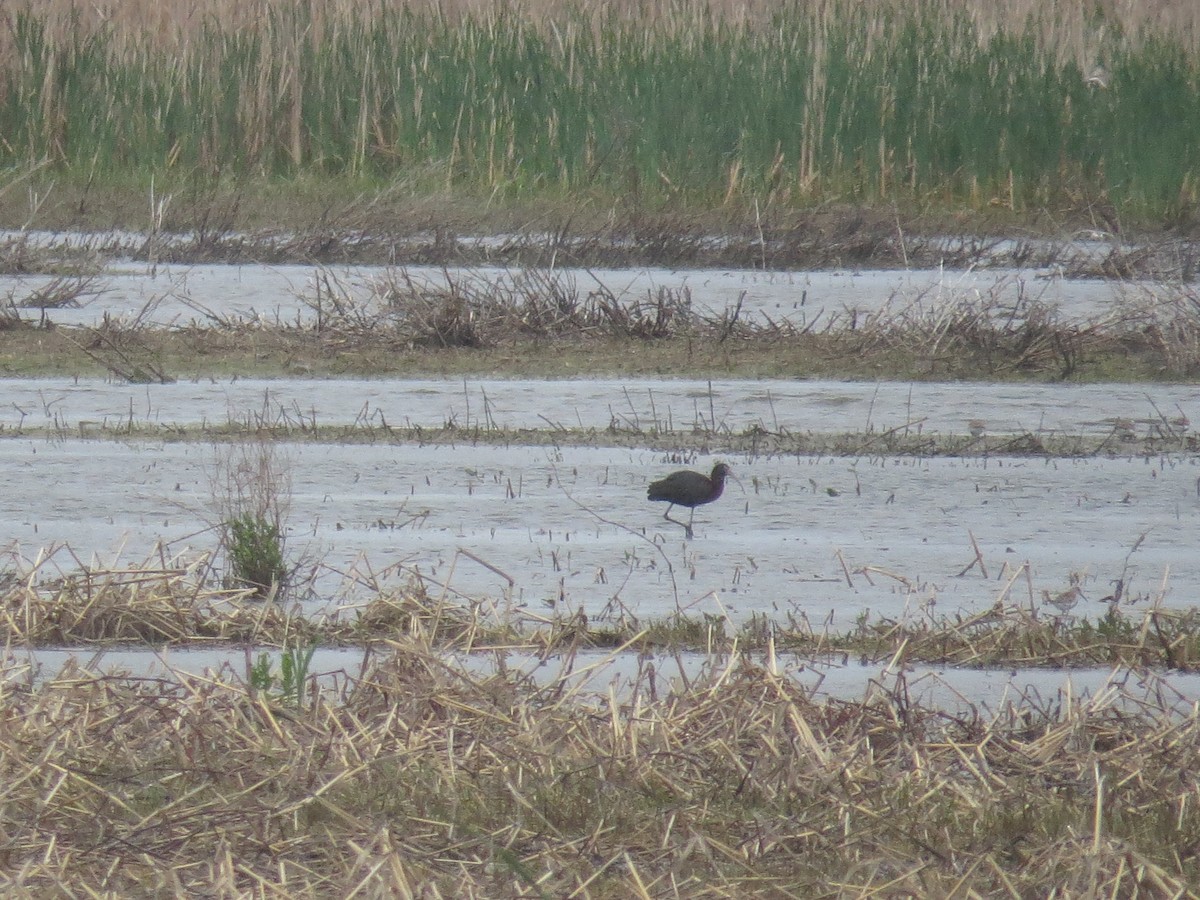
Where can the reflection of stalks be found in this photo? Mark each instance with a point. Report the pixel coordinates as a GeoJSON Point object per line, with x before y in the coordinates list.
{"type": "Point", "coordinates": [595, 515]}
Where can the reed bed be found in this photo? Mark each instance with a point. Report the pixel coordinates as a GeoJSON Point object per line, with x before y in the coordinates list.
{"type": "Point", "coordinates": [414, 779]}
{"type": "Point", "coordinates": [419, 776]}
{"type": "Point", "coordinates": [1029, 636]}
{"type": "Point", "coordinates": [157, 602]}
{"type": "Point", "coordinates": [912, 102]}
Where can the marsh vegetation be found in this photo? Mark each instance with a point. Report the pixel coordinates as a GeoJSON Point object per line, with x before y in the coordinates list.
{"type": "Point", "coordinates": [758, 109]}
{"type": "Point", "coordinates": [518, 148]}
{"type": "Point", "coordinates": [547, 321]}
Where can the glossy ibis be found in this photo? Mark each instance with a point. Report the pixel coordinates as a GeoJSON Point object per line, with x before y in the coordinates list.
{"type": "Point", "coordinates": [690, 489]}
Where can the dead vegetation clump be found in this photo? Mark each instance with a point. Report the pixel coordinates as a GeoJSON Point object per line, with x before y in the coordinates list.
{"type": "Point", "coordinates": [415, 778]}
{"type": "Point", "coordinates": [58, 600]}
{"type": "Point", "coordinates": [404, 321]}
{"type": "Point", "coordinates": [60, 292]}
{"type": "Point", "coordinates": [69, 278]}
{"type": "Point", "coordinates": [1168, 321]}
{"type": "Point", "coordinates": [989, 335]}
{"type": "Point", "coordinates": [1016, 635]}
{"type": "Point", "coordinates": [784, 240]}
{"type": "Point", "coordinates": [68, 256]}
{"type": "Point", "coordinates": [391, 228]}
{"type": "Point", "coordinates": [187, 599]}
{"type": "Point", "coordinates": [161, 601]}
{"type": "Point", "coordinates": [476, 309]}
{"type": "Point", "coordinates": [529, 302]}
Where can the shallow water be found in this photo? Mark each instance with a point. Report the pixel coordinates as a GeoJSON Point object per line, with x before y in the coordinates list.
{"type": "Point", "coordinates": [569, 528]}
{"type": "Point", "coordinates": [74, 405]}
{"type": "Point", "coordinates": [816, 540]}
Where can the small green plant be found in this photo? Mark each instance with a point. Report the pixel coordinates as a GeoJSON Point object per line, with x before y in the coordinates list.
{"type": "Point", "coordinates": [261, 678]}
{"type": "Point", "coordinates": [255, 549]}
{"type": "Point", "coordinates": [293, 668]}
{"type": "Point", "coordinates": [251, 493]}
{"type": "Point", "coordinates": [288, 687]}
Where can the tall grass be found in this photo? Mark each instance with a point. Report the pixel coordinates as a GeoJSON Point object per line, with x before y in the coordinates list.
{"type": "Point", "coordinates": [914, 100]}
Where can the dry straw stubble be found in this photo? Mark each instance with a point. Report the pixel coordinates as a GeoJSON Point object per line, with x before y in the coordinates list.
{"type": "Point", "coordinates": [419, 780]}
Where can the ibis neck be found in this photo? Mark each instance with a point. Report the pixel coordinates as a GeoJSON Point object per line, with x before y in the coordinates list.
{"type": "Point", "coordinates": [718, 484]}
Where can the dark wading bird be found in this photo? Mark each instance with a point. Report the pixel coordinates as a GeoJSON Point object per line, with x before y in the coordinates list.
{"type": "Point", "coordinates": [690, 489]}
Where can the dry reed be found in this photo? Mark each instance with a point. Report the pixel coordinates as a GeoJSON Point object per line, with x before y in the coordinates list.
{"type": "Point", "coordinates": [183, 600]}
{"type": "Point", "coordinates": [372, 325]}
{"type": "Point", "coordinates": [57, 599]}
{"type": "Point", "coordinates": [419, 777]}
{"type": "Point", "coordinates": [1072, 25]}
{"type": "Point", "coordinates": [420, 780]}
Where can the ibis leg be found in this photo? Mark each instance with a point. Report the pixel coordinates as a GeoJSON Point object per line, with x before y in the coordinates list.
{"type": "Point", "coordinates": [686, 526]}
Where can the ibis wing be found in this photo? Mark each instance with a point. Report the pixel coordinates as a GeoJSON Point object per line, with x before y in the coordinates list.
{"type": "Point", "coordinates": [681, 488]}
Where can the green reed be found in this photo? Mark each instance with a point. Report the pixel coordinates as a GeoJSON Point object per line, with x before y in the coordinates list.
{"type": "Point", "coordinates": [854, 102]}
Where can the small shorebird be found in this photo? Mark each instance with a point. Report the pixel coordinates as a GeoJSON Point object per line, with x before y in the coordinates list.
{"type": "Point", "coordinates": [1065, 601]}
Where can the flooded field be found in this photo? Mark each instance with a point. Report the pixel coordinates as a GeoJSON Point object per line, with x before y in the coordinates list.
{"type": "Point", "coordinates": [180, 294]}
{"type": "Point", "coordinates": [822, 540]}
{"type": "Point", "coordinates": [98, 472]}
